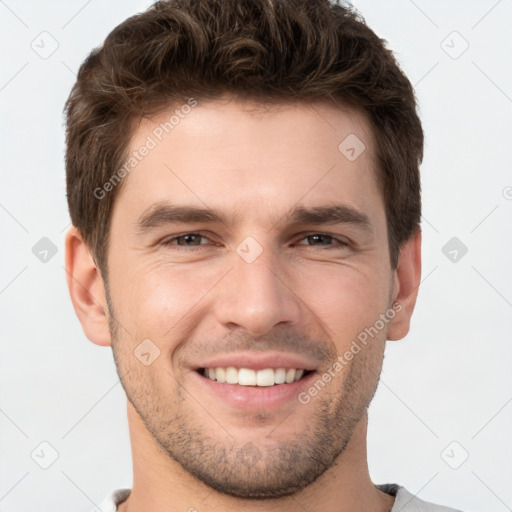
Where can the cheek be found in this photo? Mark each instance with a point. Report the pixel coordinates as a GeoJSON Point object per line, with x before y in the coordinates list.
{"type": "Point", "coordinates": [159, 298]}
{"type": "Point", "coordinates": [347, 299]}
{"type": "Point", "coordinates": [161, 302]}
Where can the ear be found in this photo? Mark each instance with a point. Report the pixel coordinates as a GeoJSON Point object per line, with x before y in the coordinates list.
{"type": "Point", "coordinates": [405, 286]}
{"type": "Point", "coordinates": [86, 289]}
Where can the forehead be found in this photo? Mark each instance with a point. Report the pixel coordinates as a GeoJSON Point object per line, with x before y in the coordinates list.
{"type": "Point", "coordinates": [248, 155]}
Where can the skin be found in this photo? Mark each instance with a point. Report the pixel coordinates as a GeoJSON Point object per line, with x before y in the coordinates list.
{"type": "Point", "coordinates": [301, 294]}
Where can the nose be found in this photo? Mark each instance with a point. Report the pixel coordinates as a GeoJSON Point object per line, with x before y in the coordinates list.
{"type": "Point", "coordinates": [257, 296]}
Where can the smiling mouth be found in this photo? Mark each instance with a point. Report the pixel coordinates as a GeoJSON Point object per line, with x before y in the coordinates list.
{"type": "Point", "coordinates": [266, 377]}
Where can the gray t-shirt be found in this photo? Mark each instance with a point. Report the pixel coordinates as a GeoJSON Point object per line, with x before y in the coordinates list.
{"type": "Point", "coordinates": [404, 500]}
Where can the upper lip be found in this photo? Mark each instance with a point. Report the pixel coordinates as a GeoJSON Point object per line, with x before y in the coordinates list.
{"type": "Point", "coordinates": [258, 361]}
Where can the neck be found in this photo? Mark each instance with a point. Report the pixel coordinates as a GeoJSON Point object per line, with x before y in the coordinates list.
{"type": "Point", "coordinates": [160, 484]}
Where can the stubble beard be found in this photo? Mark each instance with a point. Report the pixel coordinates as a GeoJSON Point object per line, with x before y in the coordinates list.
{"type": "Point", "coordinates": [237, 467]}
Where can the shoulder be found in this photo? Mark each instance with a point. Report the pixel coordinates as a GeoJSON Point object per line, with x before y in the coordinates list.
{"type": "Point", "coordinates": [110, 503]}
{"type": "Point", "coordinates": [405, 501]}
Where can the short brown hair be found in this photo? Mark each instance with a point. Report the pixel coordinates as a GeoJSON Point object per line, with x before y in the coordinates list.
{"type": "Point", "coordinates": [267, 50]}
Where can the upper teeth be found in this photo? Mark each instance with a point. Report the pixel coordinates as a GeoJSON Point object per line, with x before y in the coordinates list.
{"type": "Point", "coordinates": [249, 377]}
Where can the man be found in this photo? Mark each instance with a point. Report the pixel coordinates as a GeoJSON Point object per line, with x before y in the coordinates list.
{"type": "Point", "coordinates": [243, 183]}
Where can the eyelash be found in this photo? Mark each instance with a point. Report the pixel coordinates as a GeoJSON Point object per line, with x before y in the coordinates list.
{"type": "Point", "coordinates": [169, 241]}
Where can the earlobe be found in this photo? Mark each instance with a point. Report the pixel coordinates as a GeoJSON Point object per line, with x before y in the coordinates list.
{"type": "Point", "coordinates": [86, 289]}
{"type": "Point", "coordinates": [406, 283]}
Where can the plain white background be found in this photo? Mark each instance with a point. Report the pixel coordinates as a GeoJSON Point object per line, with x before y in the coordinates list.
{"type": "Point", "coordinates": [441, 420]}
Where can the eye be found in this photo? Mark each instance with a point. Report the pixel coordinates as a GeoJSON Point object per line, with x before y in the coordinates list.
{"type": "Point", "coordinates": [326, 238]}
{"type": "Point", "coordinates": [188, 239]}
{"type": "Point", "coordinates": [191, 241]}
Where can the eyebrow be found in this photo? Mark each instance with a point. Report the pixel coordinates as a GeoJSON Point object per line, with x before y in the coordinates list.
{"type": "Point", "coordinates": [164, 213]}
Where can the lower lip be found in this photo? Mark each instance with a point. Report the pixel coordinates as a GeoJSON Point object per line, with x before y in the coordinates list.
{"type": "Point", "coordinates": [254, 397]}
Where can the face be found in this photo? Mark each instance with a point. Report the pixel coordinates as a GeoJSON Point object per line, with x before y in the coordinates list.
{"type": "Point", "coordinates": [245, 245]}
